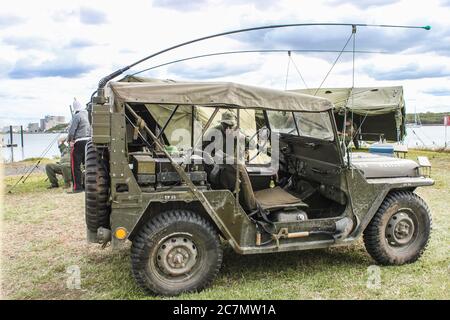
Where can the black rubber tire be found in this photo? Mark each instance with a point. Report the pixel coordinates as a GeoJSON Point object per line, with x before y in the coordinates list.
{"type": "Point", "coordinates": [375, 239]}
{"type": "Point", "coordinates": [97, 207]}
{"type": "Point", "coordinates": [144, 253]}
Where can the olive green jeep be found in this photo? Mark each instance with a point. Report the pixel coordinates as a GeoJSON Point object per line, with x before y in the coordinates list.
{"type": "Point", "coordinates": [150, 180]}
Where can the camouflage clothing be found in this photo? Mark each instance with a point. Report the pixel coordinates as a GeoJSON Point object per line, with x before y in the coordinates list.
{"type": "Point", "coordinates": [62, 167]}
{"type": "Point", "coordinates": [65, 154]}
{"type": "Point", "coordinates": [221, 149]}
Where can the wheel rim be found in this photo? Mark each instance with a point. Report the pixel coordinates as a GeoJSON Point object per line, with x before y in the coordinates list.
{"type": "Point", "coordinates": [176, 257]}
{"type": "Point", "coordinates": [400, 230]}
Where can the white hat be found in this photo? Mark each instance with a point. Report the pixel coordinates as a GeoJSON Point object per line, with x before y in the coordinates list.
{"type": "Point", "coordinates": [76, 105]}
{"type": "Point", "coordinates": [229, 118]}
{"type": "Point", "coordinates": [62, 138]}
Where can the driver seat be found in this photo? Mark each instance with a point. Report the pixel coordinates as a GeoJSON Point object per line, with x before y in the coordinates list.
{"type": "Point", "coordinates": [270, 199]}
{"type": "Point", "coordinates": [277, 198]}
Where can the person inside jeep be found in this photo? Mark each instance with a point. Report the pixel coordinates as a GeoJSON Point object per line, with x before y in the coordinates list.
{"type": "Point", "coordinates": [223, 130]}
{"type": "Point", "coordinates": [224, 174]}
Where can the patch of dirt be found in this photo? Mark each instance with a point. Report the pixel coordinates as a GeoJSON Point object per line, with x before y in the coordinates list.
{"type": "Point", "coordinates": [18, 169]}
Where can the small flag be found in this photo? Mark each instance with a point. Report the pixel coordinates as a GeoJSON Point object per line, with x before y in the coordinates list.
{"type": "Point", "coordinates": [446, 121]}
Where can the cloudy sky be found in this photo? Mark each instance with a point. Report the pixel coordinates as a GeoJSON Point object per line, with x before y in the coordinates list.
{"type": "Point", "coordinates": [52, 51]}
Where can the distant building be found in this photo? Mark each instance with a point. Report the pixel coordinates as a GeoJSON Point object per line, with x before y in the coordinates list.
{"type": "Point", "coordinates": [34, 127]}
{"type": "Point", "coordinates": [15, 129]}
{"type": "Point", "coordinates": [42, 124]}
{"type": "Point", "coordinates": [50, 121]}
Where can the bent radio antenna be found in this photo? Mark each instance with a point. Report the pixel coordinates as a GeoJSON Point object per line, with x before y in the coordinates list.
{"type": "Point", "coordinates": [213, 54]}
{"type": "Point", "coordinates": [102, 83]}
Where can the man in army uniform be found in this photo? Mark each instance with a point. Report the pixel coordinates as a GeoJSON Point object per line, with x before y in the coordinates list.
{"type": "Point", "coordinates": [223, 148]}
{"type": "Point", "coordinates": [220, 140]}
{"type": "Point", "coordinates": [62, 167]}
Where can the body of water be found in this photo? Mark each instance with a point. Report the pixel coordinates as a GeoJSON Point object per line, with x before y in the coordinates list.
{"type": "Point", "coordinates": [427, 136]}
{"type": "Point", "coordinates": [36, 144]}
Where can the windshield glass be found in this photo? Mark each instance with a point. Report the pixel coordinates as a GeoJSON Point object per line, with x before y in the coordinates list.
{"type": "Point", "coordinates": [282, 121]}
{"type": "Point", "coordinates": [315, 125]}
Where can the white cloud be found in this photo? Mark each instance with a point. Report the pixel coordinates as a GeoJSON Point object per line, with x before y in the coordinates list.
{"type": "Point", "coordinates": [62, 48]}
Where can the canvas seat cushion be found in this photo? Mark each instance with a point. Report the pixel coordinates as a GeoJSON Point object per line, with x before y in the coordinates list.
{"type": "Point", "coordinates": [277, 198]}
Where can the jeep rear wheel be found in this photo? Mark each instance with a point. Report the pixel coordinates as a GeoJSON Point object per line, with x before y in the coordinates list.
{"type": "Point", "coordinates": [399, 231]}
{"type": "Point", "coordinates": [177, 251]}
{"type": "Point", "coordinates": [97, 209]}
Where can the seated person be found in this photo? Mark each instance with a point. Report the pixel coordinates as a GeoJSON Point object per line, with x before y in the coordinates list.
{"type": "Point", "coordinates": [62, 167]}
{"type": "Point", "coordinates": [217, 143]}
{"type": "Point", "coordinates": [224, 173]}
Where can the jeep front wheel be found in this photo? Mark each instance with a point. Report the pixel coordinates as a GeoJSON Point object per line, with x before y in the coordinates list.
{"type": "Point", "coordinates": [177, 251]}
{"type": "Point", "coordinates": [399, 231]}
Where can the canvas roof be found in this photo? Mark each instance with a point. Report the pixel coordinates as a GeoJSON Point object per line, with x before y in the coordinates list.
{"type": "Point", "coordinates": [366, 100]}
{"type": "Point", "coordinates": [375, 109]}
{"type": "Point", "coordinates": [144, 90]}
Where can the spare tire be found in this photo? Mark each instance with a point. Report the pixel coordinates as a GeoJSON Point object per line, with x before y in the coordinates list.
{"type": "Point", "coordinates": [97, 208]}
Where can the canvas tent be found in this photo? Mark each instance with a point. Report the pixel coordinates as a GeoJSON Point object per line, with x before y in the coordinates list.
{"type": "Point", "coordinates": [376, 110]}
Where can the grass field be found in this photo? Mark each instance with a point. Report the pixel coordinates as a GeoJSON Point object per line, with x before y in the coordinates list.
{"type": "Point", "coordinates": [44, 235]}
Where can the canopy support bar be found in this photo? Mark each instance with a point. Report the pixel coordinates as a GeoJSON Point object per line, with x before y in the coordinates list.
{"type": "Point", "coordinates": [167, 122]}
{"type": "Point", "coordinates": [184, 177]}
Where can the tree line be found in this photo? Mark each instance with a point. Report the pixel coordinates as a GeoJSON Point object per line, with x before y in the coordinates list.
{"type": "Point", "coordinates": [427, 117]}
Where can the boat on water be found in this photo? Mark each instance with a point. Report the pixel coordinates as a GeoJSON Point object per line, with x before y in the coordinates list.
{"type": "Point", "coordinates": [417, 123]}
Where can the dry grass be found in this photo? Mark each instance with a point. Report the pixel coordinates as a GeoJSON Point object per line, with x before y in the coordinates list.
{"type": "Point", "coordinates": [44, 234]}
{"type": "Point", "coordinates": [1, 225]}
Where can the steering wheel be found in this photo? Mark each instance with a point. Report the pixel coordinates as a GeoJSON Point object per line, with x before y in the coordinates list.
{"type": "Point", "coordinates": [259, 147]}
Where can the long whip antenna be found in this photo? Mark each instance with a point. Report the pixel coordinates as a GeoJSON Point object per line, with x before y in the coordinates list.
{"type": "Point", "coordinates": [104, 80]}
{"type": "Point", "coordinates": [212, 54]}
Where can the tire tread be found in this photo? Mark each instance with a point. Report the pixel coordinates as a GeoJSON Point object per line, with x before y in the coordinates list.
{"type": "Point", "coordinates": [145, 239]}
{"type": "Point", "coordinates": [372, 240]}
{"type": "Point", "coordinates": [97, 209]}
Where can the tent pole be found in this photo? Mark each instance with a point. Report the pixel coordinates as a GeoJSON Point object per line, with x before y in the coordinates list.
{"type": "Point", "coordinates": [238, 158]}
{"type": "Point", "coordinates": [446, 120]}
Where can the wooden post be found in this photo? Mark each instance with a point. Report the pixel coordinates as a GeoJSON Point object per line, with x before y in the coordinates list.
{"type": "Point", "coordinates": [10, 135]}
{"type": "Point", "coordinates": [11, 142]}
{"type": "Point", "coordinates": [21, 136]}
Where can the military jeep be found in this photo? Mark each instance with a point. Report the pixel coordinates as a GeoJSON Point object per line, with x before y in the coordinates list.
{"type": "Point", "coordinates": [149, 180]}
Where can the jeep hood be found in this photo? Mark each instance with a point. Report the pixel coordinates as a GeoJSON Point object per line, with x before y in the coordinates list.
{"type": "Point", "coordinates": [376, 166]}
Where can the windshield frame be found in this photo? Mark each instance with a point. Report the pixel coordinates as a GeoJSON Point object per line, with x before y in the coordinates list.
{"type": "Point", "coordinates": [296, 130]}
